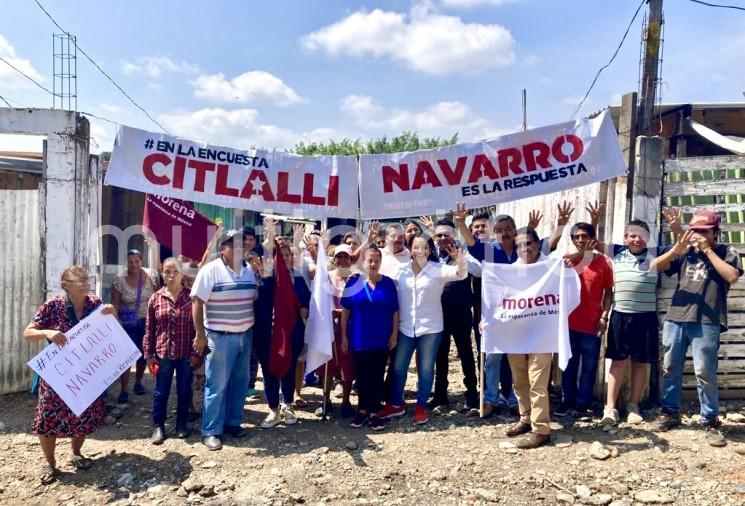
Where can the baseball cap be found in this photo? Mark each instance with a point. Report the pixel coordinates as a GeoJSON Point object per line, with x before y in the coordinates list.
{"type": "Point", "coordinates": [343, 248]}
{"type": "Point", "coordinates": [705, 219]}
{"type": "Point", "coordinates": [229, 235]}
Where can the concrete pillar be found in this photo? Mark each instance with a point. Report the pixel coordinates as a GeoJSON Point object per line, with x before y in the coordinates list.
{"type": "Point", "coordinates": [647, 191]}
{"type": "Point", "coordinates": [65, 188]}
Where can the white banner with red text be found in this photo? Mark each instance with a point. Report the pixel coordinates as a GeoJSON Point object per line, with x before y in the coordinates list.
{"type": "Point", "coordinates": [516, 166]}
{"type": "Point", "coordinates": [525, 308]}
{"type": "Point", "coordinates": [255, 179]}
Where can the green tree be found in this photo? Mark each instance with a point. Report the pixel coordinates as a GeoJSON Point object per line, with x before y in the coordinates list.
{"type": "Point", "coordinates": [407, 141]}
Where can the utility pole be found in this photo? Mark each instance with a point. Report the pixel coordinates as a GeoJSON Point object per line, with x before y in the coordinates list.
{"type": "Point", "coordinates": [650, 66]}
{"type": "Point", "coordinates": [525, 109]}
{"type": "Point", "coordinates": [645, 181]}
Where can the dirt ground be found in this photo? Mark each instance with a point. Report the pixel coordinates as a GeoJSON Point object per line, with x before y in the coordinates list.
{"type": "Point", "coordinates": [455, 459]}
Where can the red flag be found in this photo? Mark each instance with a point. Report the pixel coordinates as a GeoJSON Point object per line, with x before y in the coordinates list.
{"type": "Point", "coordinates": [286, 312]}
{"type": "Point", "coordinates": [176, 224]}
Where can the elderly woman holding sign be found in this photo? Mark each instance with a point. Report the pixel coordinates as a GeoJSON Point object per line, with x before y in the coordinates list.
{"type": "Point", "coordinates": [53, 418]}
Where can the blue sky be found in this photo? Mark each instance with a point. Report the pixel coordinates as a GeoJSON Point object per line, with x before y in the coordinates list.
{"type": "Point", "coordinates": [270, 74]}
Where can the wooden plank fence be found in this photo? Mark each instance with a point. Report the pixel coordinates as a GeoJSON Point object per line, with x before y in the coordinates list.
{"type": "Point", "coordinates": [716, 183]}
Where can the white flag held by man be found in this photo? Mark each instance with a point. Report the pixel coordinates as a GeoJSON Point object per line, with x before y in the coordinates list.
{"type": "Point", "coordinates": [319, 332]}
{"type": "Point", "coordinates": [525, 308]}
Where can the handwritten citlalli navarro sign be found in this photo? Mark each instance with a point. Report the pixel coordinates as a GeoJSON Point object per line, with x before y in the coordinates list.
{"type": "Point", "coordinates": [97, 352]}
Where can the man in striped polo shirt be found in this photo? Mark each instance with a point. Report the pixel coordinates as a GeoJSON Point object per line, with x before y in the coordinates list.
{"type": "Point", "coordinates": [633, 328]}
{"type": "Point", "coordinates": [223, 298]}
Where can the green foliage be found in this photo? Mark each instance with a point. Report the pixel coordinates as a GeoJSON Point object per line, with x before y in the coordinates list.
{"type": "Point", "coordinates": [105, 156]}
{"type": "Point", "coordinates": [407, 141]}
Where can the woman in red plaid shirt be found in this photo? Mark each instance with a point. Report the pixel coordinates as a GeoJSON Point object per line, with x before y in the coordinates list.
{"type": "Point", "coordinates": [169, 334]}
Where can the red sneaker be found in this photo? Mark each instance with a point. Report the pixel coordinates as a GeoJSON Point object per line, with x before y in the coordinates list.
{"type": "Point", "coordinates": [390, 411]}
{"type": "Point", "coordinates": [420, 415]}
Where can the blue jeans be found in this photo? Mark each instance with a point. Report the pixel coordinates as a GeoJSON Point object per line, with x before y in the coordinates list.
{"type": "Point", "coordinates": [426, 347]}
{"type": "Point", "coordinates": [163, 382]}
{"type": "Point", "coordinates": [704, 341]}
{"type": "Point", "coordinates": [226, 369]}
{"type": "Point", "coordinates": [585, 349]}
{"type": "Point", "coordinates": [492, 374]}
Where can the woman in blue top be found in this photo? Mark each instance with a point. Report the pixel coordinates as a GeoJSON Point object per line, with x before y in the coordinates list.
{"type": "Point", "coordinates": [369, 328]}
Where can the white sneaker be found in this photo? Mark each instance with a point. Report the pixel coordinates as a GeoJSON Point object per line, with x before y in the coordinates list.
{"type": "Point", "coordinates": [633, 417]}
{"type": "Point", "coordinates": [290, 417]}
{"type": "Point", "coordinates": [272, 419]}
{"type": "Point", "coordinates": [610, 417]}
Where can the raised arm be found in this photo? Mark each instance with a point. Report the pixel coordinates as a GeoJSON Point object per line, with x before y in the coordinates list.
{"type": "Point", "coordinates": [372, 232]}
{"type": "Point", "coordinates": [673, 216]}
{"type": "Point", "coordinates": [565, 213]}
{"type": "Point", "coordinates": [596, 211]}
{"type": "Point", "coordinates": [270, 234]}
{"type": "Point", "coordinates": [459, 216]}
{"type": "Point", "coordinates": [210, 247]}
{"type": "Point", "coordinates": [662, 262]}
{"type": "Point", "coordinates": [460, 269]}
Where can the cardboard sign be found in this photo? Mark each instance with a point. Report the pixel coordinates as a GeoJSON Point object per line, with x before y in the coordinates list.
{"type": "Point", "coordinates": [97, 352]}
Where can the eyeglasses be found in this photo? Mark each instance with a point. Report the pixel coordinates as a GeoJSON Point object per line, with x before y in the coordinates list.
{"type": "Point", "coordinates": [525, 244]}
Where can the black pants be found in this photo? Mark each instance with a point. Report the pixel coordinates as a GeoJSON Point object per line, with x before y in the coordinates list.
{"type": "Point", "coordinates": [370, 368]}
{"type": "Point", "coordinates": [458, 325]}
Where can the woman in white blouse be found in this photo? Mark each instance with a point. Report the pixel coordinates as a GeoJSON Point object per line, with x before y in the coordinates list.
{"type": "Point", "coordinates": [420, 285]}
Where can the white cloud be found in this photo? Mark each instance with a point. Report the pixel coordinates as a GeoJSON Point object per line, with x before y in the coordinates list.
{"type": "Point", "coordinates": [472, 3]}
{"type": "Point", "coordinates": [256, 86]}
{"type": "Point", "coordinates": [239, 128]}
{"type": "Point", "coordinates": [156, 66]}
{"type": "Point", "coordinates": [442, 119]}
{"type": "Point", "coordinates": [422, 40]}
{"type": "Point", "coordinates": [9, 78]}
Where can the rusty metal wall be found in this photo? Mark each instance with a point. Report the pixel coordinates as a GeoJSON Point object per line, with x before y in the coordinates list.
{"type": "Point", "coordinates": [21, 284]}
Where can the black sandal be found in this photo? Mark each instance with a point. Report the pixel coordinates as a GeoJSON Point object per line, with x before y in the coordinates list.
{"type": "Point", "coordinates": [48, 474]}
{"type": "Point", "coordinates": [80, 462]}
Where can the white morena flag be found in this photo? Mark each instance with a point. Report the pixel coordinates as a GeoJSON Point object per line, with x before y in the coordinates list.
{"type": "Point", "coordinates": [525, 308]}
{"type": "Point", "coordinates": [319, 332]}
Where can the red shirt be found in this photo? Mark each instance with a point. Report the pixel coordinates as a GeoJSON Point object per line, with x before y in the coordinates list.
{"type": "Point", "coordinates": [595, 278]}
{"type": "Point", "coordinates": [169, 331]}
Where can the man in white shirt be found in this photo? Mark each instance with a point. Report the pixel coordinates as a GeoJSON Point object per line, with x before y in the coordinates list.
{"type": "Point", "coordinates": [395, 255]}
{"type": "Point", "coordinates": [222, 308]}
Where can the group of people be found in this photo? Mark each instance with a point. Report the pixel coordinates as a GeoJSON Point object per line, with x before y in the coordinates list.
{"type": "Point", "coordinates": [402, 290]}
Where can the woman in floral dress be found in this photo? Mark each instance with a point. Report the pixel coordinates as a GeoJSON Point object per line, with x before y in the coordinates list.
{"type": "Point", "coordinates": [53, 418]}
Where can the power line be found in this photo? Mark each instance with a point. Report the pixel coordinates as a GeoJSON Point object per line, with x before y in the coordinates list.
{"type": "Point", "coordinates": [625, 34]}
{"type": "Point", "coordinates": [100, 117]}
{"type": "Point", "coordinates": [3, 99]}
{"type": "Point", "coordinates": [736, 7]}
{"type": "Point", "coordinates": [26, 76]}
{"type": "Point", "coordinates": [101, 70]}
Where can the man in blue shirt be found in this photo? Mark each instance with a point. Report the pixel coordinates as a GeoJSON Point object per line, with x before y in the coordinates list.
{"type": "Point", "coordinates": [503, 251]}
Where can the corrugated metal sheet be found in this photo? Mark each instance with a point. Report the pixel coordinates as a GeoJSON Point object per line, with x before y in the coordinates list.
{"type": "Point", "coordinates": [547, 204]}
{"type": "Point", "coordinates": [21, 282]}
